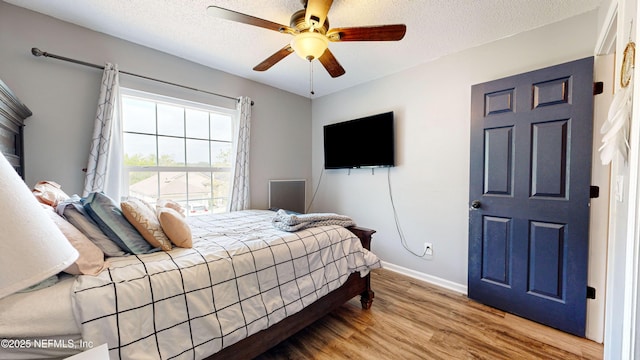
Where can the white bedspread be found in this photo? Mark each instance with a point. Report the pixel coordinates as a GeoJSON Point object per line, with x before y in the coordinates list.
{"type": "Point", "coordinates": [241, 276]}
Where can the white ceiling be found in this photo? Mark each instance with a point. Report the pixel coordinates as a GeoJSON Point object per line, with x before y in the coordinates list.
{"type": "Point", "coordinates": [434, 28]}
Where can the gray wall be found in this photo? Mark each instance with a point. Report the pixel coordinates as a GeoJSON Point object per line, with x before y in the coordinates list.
{"type": "Point", "coordinates": [63, 98]}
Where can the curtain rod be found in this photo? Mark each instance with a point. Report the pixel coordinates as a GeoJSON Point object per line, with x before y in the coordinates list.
{"type": "Point", "coordinates": [38, 52]}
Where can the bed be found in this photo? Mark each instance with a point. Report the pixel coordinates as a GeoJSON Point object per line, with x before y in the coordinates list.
{"type": "Point", "coordinates": [138, 305]}
{"type": "Point", "coordinates": [243, 287]}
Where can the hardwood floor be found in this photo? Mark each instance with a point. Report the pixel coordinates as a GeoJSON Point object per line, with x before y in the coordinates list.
{"type": "Point", "coordinates": [411, 319]}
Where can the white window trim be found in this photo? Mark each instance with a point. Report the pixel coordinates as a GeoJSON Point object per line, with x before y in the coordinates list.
{"type": "Point", "coordinates": [147, 96]}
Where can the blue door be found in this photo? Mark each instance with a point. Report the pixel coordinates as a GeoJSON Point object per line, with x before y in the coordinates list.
{"type": "Point", "coordinates": [531, 140]}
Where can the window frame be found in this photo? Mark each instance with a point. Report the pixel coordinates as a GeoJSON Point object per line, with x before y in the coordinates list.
{"type": "Point", "coordinates": [186, 169]}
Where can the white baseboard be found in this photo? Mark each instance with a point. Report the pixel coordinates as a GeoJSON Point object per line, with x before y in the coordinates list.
{"type": "Point", "coordinates": [426, 278]}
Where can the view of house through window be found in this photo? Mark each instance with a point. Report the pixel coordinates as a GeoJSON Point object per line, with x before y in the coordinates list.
{"type": "Point", "coordinates": [177, 150]}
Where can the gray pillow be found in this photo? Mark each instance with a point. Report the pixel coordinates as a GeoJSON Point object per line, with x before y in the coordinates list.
{"type": "Point", "coordinates": [73, 211]}
{"type": "Point", "coordinates": [108, 215]}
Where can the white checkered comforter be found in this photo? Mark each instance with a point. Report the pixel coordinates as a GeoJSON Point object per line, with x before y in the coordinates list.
{"type": "Point", "coordinates": [241, 276]}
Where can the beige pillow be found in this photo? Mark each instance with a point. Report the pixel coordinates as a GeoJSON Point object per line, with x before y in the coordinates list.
{"type": "Point", "coordinates": [91, 259]}
{"type": "Point", "coordinates": [144, 219]}
{"type": "Point", "coordinates": [175, 226]}
{"type": "Point", "coordinates": [49, 192]}
{"type": "Point", "coordinates": [166, 203]}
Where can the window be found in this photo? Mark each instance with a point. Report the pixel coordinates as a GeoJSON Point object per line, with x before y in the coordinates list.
{"type": "Point", "coordinates": [177, 150]}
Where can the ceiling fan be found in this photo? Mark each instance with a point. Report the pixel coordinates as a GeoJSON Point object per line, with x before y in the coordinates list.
{"type": "Point", "coordinates": [311, 34]}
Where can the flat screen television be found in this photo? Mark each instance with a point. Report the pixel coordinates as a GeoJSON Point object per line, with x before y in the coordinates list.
{"type": "Point", "coordinates": [361, 143]}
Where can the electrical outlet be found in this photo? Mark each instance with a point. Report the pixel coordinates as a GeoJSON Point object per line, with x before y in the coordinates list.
{"type": "Point", "coordinates": [428, 249]}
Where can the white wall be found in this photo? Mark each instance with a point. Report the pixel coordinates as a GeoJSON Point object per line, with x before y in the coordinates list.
{"type": "Point", "coordinates": [63, 98]}
{"type": "Point", "coordinates": [431, 179]}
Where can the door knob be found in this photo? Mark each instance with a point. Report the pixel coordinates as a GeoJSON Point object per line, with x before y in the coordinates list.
{"type": "Point", "coordinates": [476, 204]}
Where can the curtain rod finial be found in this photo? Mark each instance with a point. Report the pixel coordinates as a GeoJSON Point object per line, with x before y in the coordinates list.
{"type": "Point", "coordinates": [36, 52]}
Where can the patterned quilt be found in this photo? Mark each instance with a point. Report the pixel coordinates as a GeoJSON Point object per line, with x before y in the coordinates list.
{"type": "Point", "coordinates": [241, 276]}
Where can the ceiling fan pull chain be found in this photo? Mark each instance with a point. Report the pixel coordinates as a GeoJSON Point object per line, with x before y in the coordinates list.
{"type": "Point", "coordinates": [311, 78]}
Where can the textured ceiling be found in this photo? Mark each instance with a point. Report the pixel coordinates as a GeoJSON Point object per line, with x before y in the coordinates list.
{"type": "Point", "coordinates": [434, 28]}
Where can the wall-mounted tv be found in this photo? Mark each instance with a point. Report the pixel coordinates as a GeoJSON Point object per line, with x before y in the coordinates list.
{"type": "Point", "coordinates": [360, 143]}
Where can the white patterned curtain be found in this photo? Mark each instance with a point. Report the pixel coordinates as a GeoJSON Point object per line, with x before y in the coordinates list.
{"type": "Point", "coordinates": [105, 157]}
{"type": "Point", "coordinates": [240, 188]}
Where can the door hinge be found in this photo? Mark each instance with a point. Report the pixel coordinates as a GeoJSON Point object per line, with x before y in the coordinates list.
{"type": "Point", "coordinates": [598, 88]}
{"type": "Point", "coordinates": [591, 292]}
{"type": "Point", "coordinates": [594, 191]}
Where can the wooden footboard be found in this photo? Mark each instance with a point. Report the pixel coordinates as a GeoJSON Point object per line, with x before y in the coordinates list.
{"type": "Point", "coordinates": [262, 341]}
{"type": "Point", "coordinates": [367, 295]}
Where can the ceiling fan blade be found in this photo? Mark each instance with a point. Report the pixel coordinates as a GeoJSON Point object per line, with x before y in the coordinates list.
{"type": "Point", "coordinates": [331, 64]}
{"type": "Point", "coordinates": [316, 13]}
{"type": "Point", "coordinates": [248, 19]}
{"type": "Point", "coordinates": [273, 59]}
{"type": "Point", "coordinates": [368, 33]}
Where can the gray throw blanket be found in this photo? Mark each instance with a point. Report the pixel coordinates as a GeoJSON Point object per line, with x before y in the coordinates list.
{"type": "Point", "coordinates": [295, 222]}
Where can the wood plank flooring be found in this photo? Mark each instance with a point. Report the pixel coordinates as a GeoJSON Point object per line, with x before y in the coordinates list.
{"type": "Point", "coordinates": [411, 319]}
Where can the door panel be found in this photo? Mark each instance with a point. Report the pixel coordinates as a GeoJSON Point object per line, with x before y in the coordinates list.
{"type": "Point", "coordinates": [531, 138]}
{"type": "Point", "coordinates": [496, 252]}
{"type": "Point", "coordinates": [546, 258]}
{"type": "Point", "coordinates": [498, 167]}
{"type": "Point", "coordinates": [549, 151]}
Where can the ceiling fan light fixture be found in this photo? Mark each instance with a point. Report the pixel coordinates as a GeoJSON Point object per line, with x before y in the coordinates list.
{"type": "Point", "coordinates": [310, 45]}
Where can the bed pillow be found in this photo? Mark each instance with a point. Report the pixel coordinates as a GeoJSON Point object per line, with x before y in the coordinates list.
{"type": "Point", "coordinates": [108, 215]}
{"type": "Point", "coordinates": [166, 203]}
{"type": "Point", "coordinates": [142, 216]}
{"type": "Point", "coordinates": [75, 214]}
{"type": "Point", "coordinates": [49, 193]}
{"type": "Point", "coordinates": [91, 259]}
{"type": "Point", "coordinates": [174, 225]}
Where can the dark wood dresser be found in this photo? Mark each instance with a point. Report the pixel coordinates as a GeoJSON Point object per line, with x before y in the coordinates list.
{"type": "Point", "coordinates": [12, 116]}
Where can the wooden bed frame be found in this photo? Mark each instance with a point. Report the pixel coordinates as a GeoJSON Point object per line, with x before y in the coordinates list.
{"type": "Point", "coordinates": [12, 115]}
{"type": "Point", "coordinates": [264, 340]}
